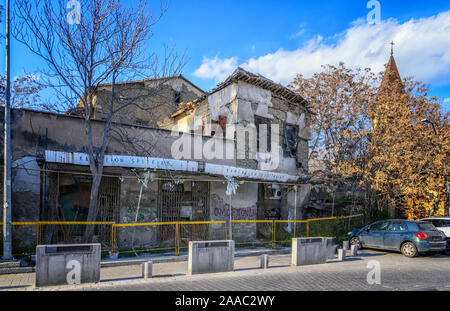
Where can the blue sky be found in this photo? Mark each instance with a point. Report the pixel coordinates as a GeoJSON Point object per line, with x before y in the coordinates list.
{"type": "Point", "coordinates": [280, 38]}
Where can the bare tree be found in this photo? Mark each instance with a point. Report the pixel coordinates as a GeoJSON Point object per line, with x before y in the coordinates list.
{"type": "Point", "coordinates": [86, 47]}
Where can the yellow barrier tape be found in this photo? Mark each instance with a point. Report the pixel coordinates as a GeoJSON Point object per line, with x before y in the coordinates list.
{"type": "Point", "coordinates": [254, 221]}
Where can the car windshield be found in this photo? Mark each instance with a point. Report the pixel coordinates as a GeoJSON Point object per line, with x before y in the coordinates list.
{"type": "Point", "coordinates": [426, 226]}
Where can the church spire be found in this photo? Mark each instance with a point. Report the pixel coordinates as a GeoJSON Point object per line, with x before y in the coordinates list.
{"type": "Point", "coordinates": [391, 79]}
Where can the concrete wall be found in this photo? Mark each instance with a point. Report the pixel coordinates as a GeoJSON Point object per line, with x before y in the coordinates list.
{"type": "Point", "coordinates": [153, 101]}
{"type": "Point", "coordinates": [241, 102]}
{"type": "Point", "coordinates": [243, 207]}
{"type": "Point", "coordinates": [139, 237]}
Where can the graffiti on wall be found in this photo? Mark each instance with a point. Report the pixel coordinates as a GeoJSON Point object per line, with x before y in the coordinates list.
{"type": "Point", "coordinates": [249, 212]}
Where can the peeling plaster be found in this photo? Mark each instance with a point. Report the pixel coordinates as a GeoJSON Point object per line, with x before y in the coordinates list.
{"type": "Point", "coordinates": [254, 94]}
{"type": "Point", "coordinates": [219, 101]}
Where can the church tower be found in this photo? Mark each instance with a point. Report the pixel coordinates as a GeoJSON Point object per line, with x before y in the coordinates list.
{"type": "Point", "coordinates": [390, 87]}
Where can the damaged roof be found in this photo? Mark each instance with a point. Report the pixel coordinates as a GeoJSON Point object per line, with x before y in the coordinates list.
{"type": "Point", "coordinates": [255, 79]}
{"type": "Point", "coordinates": [156, 80]}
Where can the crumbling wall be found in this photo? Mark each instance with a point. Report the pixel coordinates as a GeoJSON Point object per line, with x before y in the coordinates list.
{"type": "Point", "coordinates": [141, 237]}
{"type": "Point", "coordinates": [152, 102]}
{"type": "Point", "coordinates": [243, 207]}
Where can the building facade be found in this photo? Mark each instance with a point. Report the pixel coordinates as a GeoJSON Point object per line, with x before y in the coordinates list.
{"type": "Point", "coordinates": [177, 162]}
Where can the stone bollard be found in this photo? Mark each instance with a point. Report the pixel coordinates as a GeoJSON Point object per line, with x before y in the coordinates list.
{"type": "Point", "coordinates": [147, 268]}
{"type": "Point", "coordinates": [113, 255]}
{"type": "Point", "coordinates": [354, 250]}
{"type": "Point", "coordinates": [264, 261]}
{"type": "Point", "coordinates": [345, 245]}
{"type": "Point", "coordinates": [341, 254]}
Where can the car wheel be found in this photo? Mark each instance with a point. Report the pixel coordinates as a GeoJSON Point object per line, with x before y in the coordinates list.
{"type": "Point", "coordinates": [356, 241]}
{"type": "Point", "coordinates": [409, 249]}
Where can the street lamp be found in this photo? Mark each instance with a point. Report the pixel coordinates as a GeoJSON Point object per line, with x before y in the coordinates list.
{"type": "Point", "coordinates": [443, 162]}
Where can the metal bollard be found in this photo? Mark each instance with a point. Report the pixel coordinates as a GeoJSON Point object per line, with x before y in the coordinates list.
{"type": "Point", "coordinates": [147, 268]}
{"type": "Point", "coordinates": [354, 250]}
{"type": "Point", "coordinates": [345, 245]}
{"type": "Point", "coordinates": [264, 261]}
{"type": "Point", "coordinates": [341, 254]}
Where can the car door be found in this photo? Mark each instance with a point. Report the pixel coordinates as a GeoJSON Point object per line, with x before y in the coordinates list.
{"type": "Point", "coordinates": [395, 234]}
{"type": "Point", "coordinates": [375, 236]}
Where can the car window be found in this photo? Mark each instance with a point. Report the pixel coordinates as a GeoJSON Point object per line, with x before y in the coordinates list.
{"type": "Point", "coordinates": [437, 222]}
{"type": "Point", "coordinates": [446, 223]}
{"type": "Point", "coordinates": [398, 226]}
{"type": "Point", "coordinates": [380, 225]}
{"type": "Point", "coordinates": [426, 226]}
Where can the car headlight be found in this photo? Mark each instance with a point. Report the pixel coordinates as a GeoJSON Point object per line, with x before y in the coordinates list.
{"type": "Point", "coordinates": [349, 233]}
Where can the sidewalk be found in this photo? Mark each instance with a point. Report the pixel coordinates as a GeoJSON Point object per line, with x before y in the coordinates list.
{"type": "Point", "coordinates": [165, 258]}
{"type": "Point", "coordinates": [397, 273]}
{"type": "Point", "coordinates": [164, 266]}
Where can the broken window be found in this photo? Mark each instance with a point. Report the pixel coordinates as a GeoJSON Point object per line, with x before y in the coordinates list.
{"type": "Point", "coordinates": [290, 141]}
{"type": "Point", "coordinates": [177, 97]}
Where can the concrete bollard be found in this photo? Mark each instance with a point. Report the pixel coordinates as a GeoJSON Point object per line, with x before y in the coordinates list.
{"type": "Point", "coordinates": [354, 250]}
{"type": "Point", "coordinates": [147, 268]}
{"type": "Point", "coordinates": [67, 264]}
{"type": "Point", "coordinates": [210, 257]}
{"type": "Point", "coordinates": [341, 254]}
{"type": "Point", "coordinates": [264, 261]}
{"type": "Point", "coordinates": [345, 245]}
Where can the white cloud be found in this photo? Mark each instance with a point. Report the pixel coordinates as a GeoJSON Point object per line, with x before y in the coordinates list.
{"type": "Point", "coordinates": [216, 68]}
{"type": "Point", "coordinates": [422, 50]}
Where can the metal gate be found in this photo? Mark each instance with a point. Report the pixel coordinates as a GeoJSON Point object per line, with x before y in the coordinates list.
{"type": "Point", "coordinates": [108, 202]}
{"type": "Point", "coordinates": [177, 195]}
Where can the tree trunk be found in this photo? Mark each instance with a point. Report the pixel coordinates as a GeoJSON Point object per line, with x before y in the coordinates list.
{"type": "Point", "coordinates": [93, 208]}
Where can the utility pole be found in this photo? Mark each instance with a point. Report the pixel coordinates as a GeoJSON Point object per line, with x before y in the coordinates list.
{"type": "Point", "coordinates": [443, 163]}
{"type": "Point", "coordinates": [7, 245]}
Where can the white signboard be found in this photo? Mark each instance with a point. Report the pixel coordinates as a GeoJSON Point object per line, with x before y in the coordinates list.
{"type": "Point", "coordinates": [166, 164]}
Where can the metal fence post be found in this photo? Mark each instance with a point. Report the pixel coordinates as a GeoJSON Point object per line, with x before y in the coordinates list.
{"type": "Point", "coordinates": [307, 228]}
{"type": "Point", "coordinates": [177, 240]}
{"type": "Point", "coordinates": [273, 233]}
{"type": "Point", "coordinates": [112, 238]}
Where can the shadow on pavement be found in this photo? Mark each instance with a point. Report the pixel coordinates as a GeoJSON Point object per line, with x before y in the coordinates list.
{"type": "Point", "coordinates": [245, 269]}
{"type": "Point", "coordinates": [14, 287]}
{"type": "Point", "coordinates": [121, 279]}
{"type": "Point", "coordinates": [167, 275]}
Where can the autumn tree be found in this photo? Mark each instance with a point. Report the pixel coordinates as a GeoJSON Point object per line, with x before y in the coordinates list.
{"type": "Point", "coordinates": [405, 162]}
{"type": "Point", "coordinates": [370, 131]}
{"type": "Point", "coordinates": [339, 98]}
